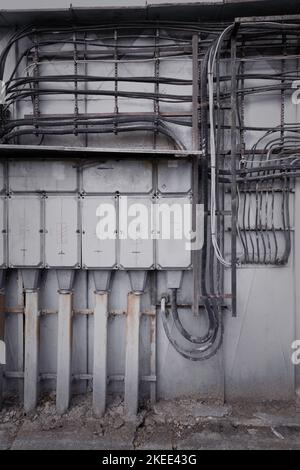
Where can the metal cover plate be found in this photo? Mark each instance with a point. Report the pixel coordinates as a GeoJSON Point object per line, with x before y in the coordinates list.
{"type": "Point", "coordinates": [122, 176]}
{"type": "Point", "coordinates": [174, 176]}
{"type": "Point", "coordinates": [61, 237]}
{"type": "Point", "coordinates": [136, 248]}
{"type": "Point", "coordinates": [97, 253]}
{"type": "Point", "coordinates": [24, 235]}
{"type": "Point", "coordinates": [42, 176]}
{"type": "Point", "coordinates": [174, 253]}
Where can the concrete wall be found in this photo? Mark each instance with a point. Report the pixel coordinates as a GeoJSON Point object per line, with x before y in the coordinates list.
{"type": "Point", "coordinates": [255, 360]}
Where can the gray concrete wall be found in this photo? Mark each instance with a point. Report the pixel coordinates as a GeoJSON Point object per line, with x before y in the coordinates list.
{"type": "Point", "coordinates": [255, 360]}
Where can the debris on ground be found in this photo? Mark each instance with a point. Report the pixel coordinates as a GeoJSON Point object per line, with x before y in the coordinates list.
{"type": "Point", "coordinates": [186, 423]}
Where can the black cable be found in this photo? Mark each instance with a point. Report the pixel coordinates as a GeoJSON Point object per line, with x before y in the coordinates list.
{"type": "Point", "coordinates": [202, 353]}
{"type": "Point", "coordinates": [208, 338]}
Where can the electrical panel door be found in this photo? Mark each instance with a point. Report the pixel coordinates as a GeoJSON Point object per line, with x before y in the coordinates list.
{"type": "Point", "coordinates": [62, 234]}
{"type": "Point", "coordinates": [25, 231]}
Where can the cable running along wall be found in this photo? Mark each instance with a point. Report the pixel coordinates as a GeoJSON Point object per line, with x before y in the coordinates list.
{"type": "Point", "coordinates": [247, 159]}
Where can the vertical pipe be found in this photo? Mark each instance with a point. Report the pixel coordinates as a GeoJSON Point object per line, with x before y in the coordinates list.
{"type": "Point", "coordinates": [64, 345]}
{"type": "Point", "coordinates": [195, 112]}
{"type": "Point", "coordinates": [100, 353]}
{"type": "Point", "coordinates": [2, 337]}
{"type": "Point", "coordinates": [31, 350]}
{"type": "Point", "coordinates": [156, 86]}
{"type": "Point", "coordinates": [233, 174]}
{"type": "Point", "coordinates": [16, 104]}
{"type": "Point", "coordinates": [132, 354]}
{"type": "Point", "coordinates": [196, 141]}
{"type": "Point", "coordinates": [153, 327]}
{"type": "Point", "coordinates": [20, 336]}
{"type": "Point", "coordinates": [116, 55]}
{"type": "Point", "coordinates": [153, 358]}
{"type": "Point", "coordinates": [36, 73]}
{"type": "Point", "coordinates": [86, 86]}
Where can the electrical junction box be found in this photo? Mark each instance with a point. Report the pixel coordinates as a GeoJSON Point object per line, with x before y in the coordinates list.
{"type": "Point", "coordinates": [96, 252]}
{"type": "Point", "coordinates": [61, 232]}
{"type": "Point", "coordinates": [52, 213]}
{"type": "Point", "coordinates": [24, 231]}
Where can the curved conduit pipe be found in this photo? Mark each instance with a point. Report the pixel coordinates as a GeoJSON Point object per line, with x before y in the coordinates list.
{"type": "Point", "coordinates": [197, 354]}
{"type": "Point", "coordinates": [209, 337]}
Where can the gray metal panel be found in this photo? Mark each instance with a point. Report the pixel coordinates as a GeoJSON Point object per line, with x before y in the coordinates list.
{"type": "Point", "coordinates": [61, 238]}
{"type": "Point", "coordinates": [24, 231]}
{"type": "Point", "coordinates": [96, 253]}
{"type": "Point", "coordinates": [137, 253]}
{"type": "Point", "coordinates": [174, 176]}
{"type": "Point", "coordinates": [173, 253]}
{"type": "Point", "coordinates": [123, 176]}
{"type": "Point", "coordinates": [42, 176]}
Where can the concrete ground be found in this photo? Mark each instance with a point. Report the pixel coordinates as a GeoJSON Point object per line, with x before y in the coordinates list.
{"type": "Point", "coordinates": [179, 425]}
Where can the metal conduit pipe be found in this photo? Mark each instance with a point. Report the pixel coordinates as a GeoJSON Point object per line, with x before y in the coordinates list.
{"type": "Point", "coordinates": [31, 283]}
{"type": "Point", "coordinates": [100, 353]}
{"type": "Point", "coordinates": [160, 128]}
{"type": "Point", "coordinates": [64, 340]}
{"type": "Point", "coordinates": [2, 332]}
{"type": "Point", "coordinates": [209, 337]}
{"type": "Point", "coordinates": [102, 281]}
{"type": "Point", "coordinates": [132, 353]}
